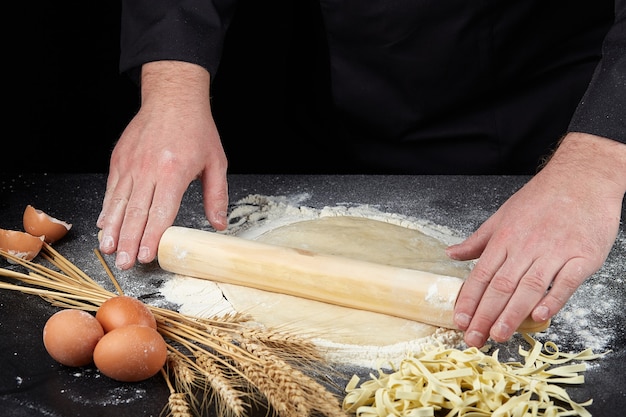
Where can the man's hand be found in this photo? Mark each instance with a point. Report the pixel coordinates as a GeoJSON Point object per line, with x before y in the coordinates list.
{"type": "Point", "coordinates": [540, 246]}
{"type": "Point", "coordinates": [170, 142]}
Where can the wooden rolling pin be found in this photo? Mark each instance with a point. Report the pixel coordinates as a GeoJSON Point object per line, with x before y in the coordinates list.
{"type": "Point", "coordinates": [411, 294]}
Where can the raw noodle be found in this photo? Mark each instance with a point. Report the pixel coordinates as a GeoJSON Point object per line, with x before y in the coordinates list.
{"type": "Point", "coordinates": [470, 383]}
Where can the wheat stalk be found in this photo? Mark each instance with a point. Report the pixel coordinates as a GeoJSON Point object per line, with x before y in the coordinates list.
{"type": "Point", "coordinates": [218, 361]}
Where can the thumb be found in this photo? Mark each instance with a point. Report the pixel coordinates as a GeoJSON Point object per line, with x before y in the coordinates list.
{"type": "Point", "coordinates": [473, 246]}
{"type": "Point", "coordinates": [215, 199]}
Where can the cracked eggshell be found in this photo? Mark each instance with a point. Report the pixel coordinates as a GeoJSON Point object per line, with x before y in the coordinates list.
{"type": "Point", "coordinates": [20, 244]}
{"type": "Point", "coordinates": [38, 223]}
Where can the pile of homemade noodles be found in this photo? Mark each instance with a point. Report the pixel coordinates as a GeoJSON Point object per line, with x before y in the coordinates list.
{"type": "Point", "coordinates": [469, 383]}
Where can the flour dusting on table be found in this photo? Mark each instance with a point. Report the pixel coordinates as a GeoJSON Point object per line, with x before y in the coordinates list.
{"type": "Point", "coordinates": [257, 214]}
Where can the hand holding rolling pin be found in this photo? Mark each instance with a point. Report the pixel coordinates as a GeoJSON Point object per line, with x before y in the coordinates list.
{"type": "Point", "coordinates": [169, 143]}
{"type": "Point", "coordinates": [549, 237]}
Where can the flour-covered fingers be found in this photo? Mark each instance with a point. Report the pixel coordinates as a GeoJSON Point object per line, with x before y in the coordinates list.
{"type": "Point", "coordinates": [109, 195]}
{"type": "Point", "coordinates": [474, 288]}
{"type": "Point", "coordinates": [494, 299]}
{"type": "Point", "coordinates": [161, 214]}
{"type": "Point", "coordinates": [473, 246]}
{"type": "Point", "coordinates": [133, 225]}
{"type": "Point", "coordinates": [215, 194]}
{"type": "Point", "coordinates": [112, 214]}
{"type": "Point", "coordinates": [568, 279]}
{"type": "Point", "coordinates": [530, 289]}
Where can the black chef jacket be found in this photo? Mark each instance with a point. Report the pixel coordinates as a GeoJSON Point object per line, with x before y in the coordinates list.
{"type": "Point", "coordinates": [414, 86]}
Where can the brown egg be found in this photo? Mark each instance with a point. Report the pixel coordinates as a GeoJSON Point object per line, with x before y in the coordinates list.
{"type": "Point", "coordinates": [38, 223]}
{"type": "Point", "coordinates": [124, 310]}
{"type": "Point", "coordinates": [20, 244]}
{"type": "Point", "coordinates": [70, 336]}
{"type": "Point", "coordinates": [131, 353]}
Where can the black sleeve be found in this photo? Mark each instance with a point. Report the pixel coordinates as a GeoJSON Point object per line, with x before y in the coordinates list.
{"type": "Point", "coordinates": [602, 110]}
{"type": "Point", "coordinates": [183, 30]}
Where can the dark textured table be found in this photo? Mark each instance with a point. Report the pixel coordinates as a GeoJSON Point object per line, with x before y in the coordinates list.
{"type": "Point", "coordinates": [32, 384]}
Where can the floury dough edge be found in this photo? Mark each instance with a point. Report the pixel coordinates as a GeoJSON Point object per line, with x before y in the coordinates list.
{"type": "Point", "coordinates": [255, 215]}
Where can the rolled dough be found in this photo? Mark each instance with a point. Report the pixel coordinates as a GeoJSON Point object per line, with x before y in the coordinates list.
{"type": "Point", "coordinates": [354, 237]}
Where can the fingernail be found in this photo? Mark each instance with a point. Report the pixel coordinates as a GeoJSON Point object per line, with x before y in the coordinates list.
{"type": "Point", "coordinates": [449, 252]}
{"type": "Point", "coordinates": [220, 219]}
{"type": "Point", "coordinates": [106, 243]}
{"type": "Point", "coordinates": [144, 253]}
{"type": "Point", "coordinates": [122, 259]}
{"type": "Point", "coordinates": [501, 332]}
{"type": "Point", "coordinates": [462, 320]}
{"type": "Point", "coordinates": [541, 313]}
{"type": "Point", "coordinates": [474, 338]}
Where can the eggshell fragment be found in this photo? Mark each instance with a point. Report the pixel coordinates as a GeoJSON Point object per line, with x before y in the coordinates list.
{"type": "Point", "coordinates": [131, 353]}
{"type": "Point", "coordinates": [70, 336]}
{"type": "Point", "coordinates": [38, 223]}
{"type": "Point", "coordinates": [124, 310]}
{"type": "Point", "coordinates": [20, 244]}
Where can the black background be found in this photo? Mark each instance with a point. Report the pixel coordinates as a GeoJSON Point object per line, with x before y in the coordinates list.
{"type": "Point", "coordinates": [66, 103]}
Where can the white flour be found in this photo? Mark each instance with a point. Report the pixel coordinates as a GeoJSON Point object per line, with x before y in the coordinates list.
{"type": "Point", "coordinates": [257, 214]}
{"type": "Point", "coordinates": [588, 319]}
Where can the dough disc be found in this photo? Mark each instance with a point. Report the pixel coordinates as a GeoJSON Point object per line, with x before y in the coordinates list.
{"type": "Point", "coordinates": [353, 237]}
